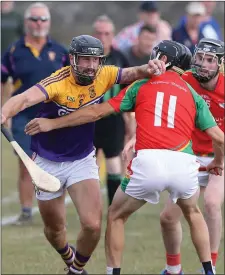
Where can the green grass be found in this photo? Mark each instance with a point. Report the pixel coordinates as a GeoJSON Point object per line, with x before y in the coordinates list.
{"type": "Point", "coordinates": [25, 250]}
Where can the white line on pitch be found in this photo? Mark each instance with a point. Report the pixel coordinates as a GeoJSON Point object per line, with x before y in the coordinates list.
{"type": "Point", "coordinates": [12, 198]}
{"type": "Point", "coordinates": [11, 219]}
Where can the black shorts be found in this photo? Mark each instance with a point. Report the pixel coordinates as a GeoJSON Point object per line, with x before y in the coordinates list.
{"type": "Point", "coordinates": [109, 135]}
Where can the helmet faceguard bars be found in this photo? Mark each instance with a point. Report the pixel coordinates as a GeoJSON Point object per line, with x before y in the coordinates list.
{"type": "Point", "coordinates": [209, 47]}
{"type": "Point", "coordinates": [86, 45]}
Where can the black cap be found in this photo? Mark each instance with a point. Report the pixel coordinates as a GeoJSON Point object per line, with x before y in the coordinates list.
{"type": "Point", "coordinates": [148, 6]}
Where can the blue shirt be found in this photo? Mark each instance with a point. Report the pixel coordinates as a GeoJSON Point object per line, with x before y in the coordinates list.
{"type": "Point", "coordinates": [211, 29]}
{"type": "Point", "coordinates": [208, 29]}
{"type": "Point", "coordinates": [180, 35]}
{"type": "Point", "coordinates": [27, 66]}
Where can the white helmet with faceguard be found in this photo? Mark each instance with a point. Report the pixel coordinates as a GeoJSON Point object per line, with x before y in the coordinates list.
{"type": "Point", "coordinates": [207, 59]}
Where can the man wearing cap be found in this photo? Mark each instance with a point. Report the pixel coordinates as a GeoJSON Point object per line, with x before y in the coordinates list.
{"type": "Point", "coordinates": [188, 32]}
{"type": "Point", "coordinates": [148, 15]}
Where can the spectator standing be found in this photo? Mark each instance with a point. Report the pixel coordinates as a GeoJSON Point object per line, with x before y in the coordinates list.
{"type": "Point", "coordinates": [148, 15]}
{"type": "Point", "coordinates": [11, 24]}
{"type": "Point", "coordinates": [110, 131]}
{"type": "Point", "coordinates": [139, 53]}
{"type": "Point", "coordinates": [28, 60]}
{"type": "Point", "coordinates": [188, 32]}
{"type": "Point", "coordinates": [210, 28]}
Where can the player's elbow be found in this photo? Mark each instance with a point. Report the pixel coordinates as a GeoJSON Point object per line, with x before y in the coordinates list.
{"type": "Point", "coordinates": [99, 111]}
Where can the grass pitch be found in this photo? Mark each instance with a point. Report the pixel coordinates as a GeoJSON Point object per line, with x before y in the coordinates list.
{"type": "Point", "coordinates": [25, 250]}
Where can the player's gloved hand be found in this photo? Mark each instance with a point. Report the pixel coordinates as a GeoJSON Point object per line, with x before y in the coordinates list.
{"type": "Point", "coordinates": [128, 151]}
{"type": "Point", "coordinates": [156, 67]}
{"type": "Point", "coordinates": [38, 125]}
{"type": "Point", "coordinates": [215, 167]}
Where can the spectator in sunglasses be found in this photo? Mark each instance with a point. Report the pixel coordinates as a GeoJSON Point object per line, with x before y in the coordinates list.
{"type": "Point", "coordinates": [37, 21]}
{"type": "Point", "coordinates": [11, 24]}
{"type": "Point", "coordinates": [30, 59]}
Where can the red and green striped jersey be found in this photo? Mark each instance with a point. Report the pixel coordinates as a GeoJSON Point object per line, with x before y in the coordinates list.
{"type": "Point", "coordinates": [167, 110]}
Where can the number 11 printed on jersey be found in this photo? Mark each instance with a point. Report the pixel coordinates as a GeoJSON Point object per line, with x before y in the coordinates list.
{"type": "Point", "coordinates": [159, 108]}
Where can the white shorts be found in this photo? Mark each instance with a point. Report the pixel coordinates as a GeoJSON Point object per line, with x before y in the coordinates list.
{"type": "Point", "coordinates": [153, 171]}
{"type": "Point", "coordinates": [203, 176]}
{"type": "Point", "coordinates": [69, 172]}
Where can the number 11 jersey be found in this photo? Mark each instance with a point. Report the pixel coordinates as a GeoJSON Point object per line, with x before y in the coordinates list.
{"type": "Point", "coordinates": [167, 110]}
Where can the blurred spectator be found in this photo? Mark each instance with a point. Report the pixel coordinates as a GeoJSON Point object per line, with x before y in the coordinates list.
{"type": "Point", "coordinates": [28, 60]}
{"type": "Point", "coordinates": [11, 24]}
{"type": "Point", "coordinates": [139, 53]}
{"type": "Point", "coordinates": [210, 28]}
{"type": "Point", "coordinates": [188, 32]}
{"type": "Point", "coordinates": [148, 15]}
{"type": "Point", "coordinates": [110, 131]}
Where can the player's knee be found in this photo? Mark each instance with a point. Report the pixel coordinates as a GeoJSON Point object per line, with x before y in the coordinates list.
{"type": "Point", "coordinates": [114, 214]}
{"type": "Point", "coordinates": [113, 165]}
{"type": "Point", "coordinates": [190, 211]}
{"type": "Point", "coordinates": [111, 214]}
{"type": "Point", "coordinates": [168, 218]}
{"type": "Point", "coordinates": [92, 225]}
{"type": "Point", "coordinates": [54, 232]}
{"type": "Point", "coordinates": [212, 206]}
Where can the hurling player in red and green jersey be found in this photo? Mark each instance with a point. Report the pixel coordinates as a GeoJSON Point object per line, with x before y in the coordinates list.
{"type": "Point", "coordinates": [167, 110]}
{"type": "Point", "coordinates": [208, 82]}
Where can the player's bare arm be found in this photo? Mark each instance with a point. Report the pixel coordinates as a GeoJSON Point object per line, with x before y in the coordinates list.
{"type": "Point", "coordinates": [217, 165]}
{"type": "Point", "coordinates": [217, 137]}
{"type": "Point", "coordinates": [84, 115]}
{"type": "Point", "coordinates": [134, 73]}
{"type": "Point", "coordinates": [20, 102]}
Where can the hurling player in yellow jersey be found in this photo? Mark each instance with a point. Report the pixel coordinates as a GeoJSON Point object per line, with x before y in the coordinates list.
{"type": "Point", "coordinates": [68, 153]}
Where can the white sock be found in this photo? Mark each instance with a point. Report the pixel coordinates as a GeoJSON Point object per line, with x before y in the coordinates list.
{"type": "Point", "coordinates": [75, 271]}
{"type": "Point", "coordinates": [173, 269]}
{"type": "Point", "coordinates": [69, 262]}
{"type": "Point", "coordinates": [109, 270]}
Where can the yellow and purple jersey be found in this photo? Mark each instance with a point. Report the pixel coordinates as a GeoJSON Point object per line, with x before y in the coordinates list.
{"type": "Point", "coordinates": [63, 96]}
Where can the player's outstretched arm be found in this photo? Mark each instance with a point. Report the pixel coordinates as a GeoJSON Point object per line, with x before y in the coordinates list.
{"type": "Point", "coordinates": [82, 116]}
{"type": "Point", "coordinates": [20, 102]}
{"type": "Point", "coordinates": [132, 74]}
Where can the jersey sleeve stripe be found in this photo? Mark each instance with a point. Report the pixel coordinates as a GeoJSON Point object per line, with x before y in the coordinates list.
{"type": "Point", "coordinates": [119, 75]}
{"type": "Point", "coordinates": [54, 77]}
{"type": "Point", "coordinates": [57, 80]}
{"type": "Point", "coordinates": [43, 90]}
{"type": "Point", "coordinates": [46, 80]}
